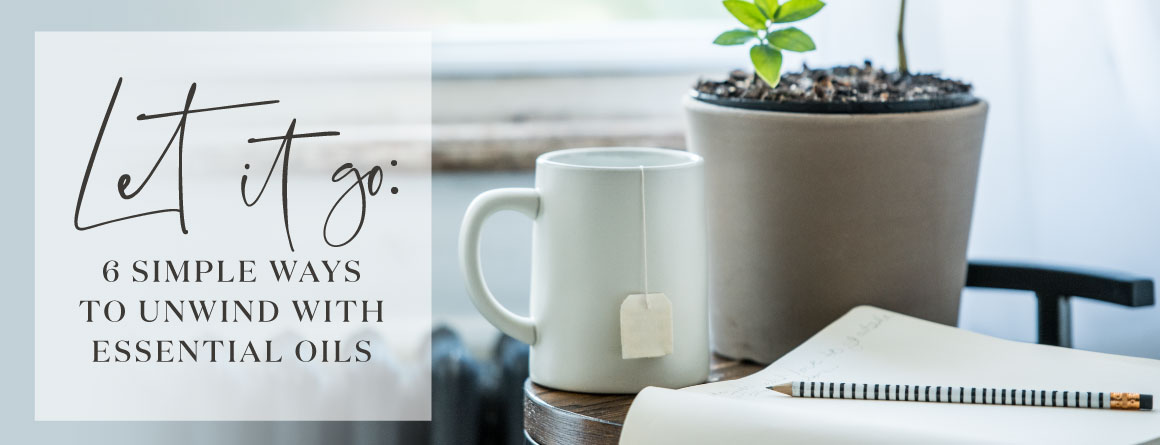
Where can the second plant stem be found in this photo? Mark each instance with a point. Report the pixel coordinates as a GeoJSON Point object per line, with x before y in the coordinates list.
{"type": "Point", "coordinates": [902, 68]}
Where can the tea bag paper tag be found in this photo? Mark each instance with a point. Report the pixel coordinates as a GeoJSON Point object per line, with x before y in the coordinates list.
{"type": "Point", "coordinates": [646, 326]}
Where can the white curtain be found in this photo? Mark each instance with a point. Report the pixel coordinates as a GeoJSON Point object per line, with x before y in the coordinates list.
{"type": "Point", "coordinates": [1071, 163]}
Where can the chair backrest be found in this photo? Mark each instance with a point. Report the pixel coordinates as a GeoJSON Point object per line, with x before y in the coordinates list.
{"type": "Point", "coordinates": [1055, 286]}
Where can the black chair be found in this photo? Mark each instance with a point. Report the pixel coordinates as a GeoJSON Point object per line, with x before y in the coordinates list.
{"type": "Point", "coordinates": [1054, 287]}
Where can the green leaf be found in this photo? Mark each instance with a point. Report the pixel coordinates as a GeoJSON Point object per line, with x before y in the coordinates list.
{"type": "Point", "coordinates": [767, 7]}
{"type": "Point", "coordinates": [735, 37]}
{"type": "Point", "coordinates": [795, 10]}
{"type": "Point", "coordinates": [792, 39]}
{"type": "Point", "coordinates": [767, 61]}
{"type": "Point", "coordinates": [747, 13]}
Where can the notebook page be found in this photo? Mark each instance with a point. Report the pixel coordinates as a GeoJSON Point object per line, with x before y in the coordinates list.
{"type": "Point", "coordinates": [871, 345]}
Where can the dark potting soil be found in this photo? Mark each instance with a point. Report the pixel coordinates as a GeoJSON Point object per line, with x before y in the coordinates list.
{"type": "Point", "coordinates": [844, 89]}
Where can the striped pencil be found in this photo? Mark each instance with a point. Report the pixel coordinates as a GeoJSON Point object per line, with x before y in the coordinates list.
{"type": "Point", "coordinates": [962, 394]}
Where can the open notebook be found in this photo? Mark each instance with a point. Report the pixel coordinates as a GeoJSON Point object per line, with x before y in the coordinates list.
{"type": "Point", "coordinates": [871, 345]}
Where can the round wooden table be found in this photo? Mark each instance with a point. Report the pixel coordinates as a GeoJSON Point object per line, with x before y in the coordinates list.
{"type": "Point", "coordinates": [554, 417]}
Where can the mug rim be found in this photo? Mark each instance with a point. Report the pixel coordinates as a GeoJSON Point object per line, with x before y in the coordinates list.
{"type": "Point", "coordinates": [684, 158]}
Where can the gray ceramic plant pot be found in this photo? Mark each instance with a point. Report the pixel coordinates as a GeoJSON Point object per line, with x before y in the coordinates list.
{"type": "Point", "coordinates": [811, 215]}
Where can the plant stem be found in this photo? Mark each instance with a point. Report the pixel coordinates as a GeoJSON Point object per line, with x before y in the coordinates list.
{"type": "Point", "coordinates": [902, 68]}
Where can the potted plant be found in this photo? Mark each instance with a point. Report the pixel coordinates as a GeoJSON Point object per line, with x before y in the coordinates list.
{"type": "Point", "coordinates": [829, 188]}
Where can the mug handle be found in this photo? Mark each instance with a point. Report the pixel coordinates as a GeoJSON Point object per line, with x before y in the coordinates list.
{"type": "Point", "coordinates": [523, 200]}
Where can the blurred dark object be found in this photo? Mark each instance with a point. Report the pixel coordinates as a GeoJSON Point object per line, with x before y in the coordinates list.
{"type": "Point", "coordinates": [476, 401]}
{"type": "Point", "coordinates": [512, 357]}
{"type": "Point", "coordinates": [1055, 286]}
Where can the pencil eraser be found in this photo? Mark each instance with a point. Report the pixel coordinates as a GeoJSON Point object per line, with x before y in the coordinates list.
{"type": "Point", "coordinates": [1145, 402]}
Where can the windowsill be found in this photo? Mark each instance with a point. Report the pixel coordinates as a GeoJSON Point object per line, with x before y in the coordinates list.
{"type": "Point", "coordinates": [504, 123]}
{"type": "Point", "coordinates": [515, 145]}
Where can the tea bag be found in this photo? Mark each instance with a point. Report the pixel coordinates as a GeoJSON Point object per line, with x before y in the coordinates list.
{"type": "Point", "coordinates": [646, 319]}
{"type": "Point", "coordinates": [646, 326]}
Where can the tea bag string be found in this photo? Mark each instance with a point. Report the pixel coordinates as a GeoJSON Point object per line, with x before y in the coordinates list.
{"type": "Point", "coordinates": [644, 237]}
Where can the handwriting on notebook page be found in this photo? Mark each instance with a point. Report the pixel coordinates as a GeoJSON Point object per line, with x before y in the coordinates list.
{"type": "Point", "coordinates": [817, 357]}
{"type": "Point", "coordinates": [833, 345]}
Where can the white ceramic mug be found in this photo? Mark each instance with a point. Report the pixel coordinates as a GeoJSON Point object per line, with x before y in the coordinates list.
{"type": "Point", "coordinates": [587, 257]}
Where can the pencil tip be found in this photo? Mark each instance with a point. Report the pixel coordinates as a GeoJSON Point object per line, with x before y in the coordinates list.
{"type": "Point", "coordinates": [784, 388]}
